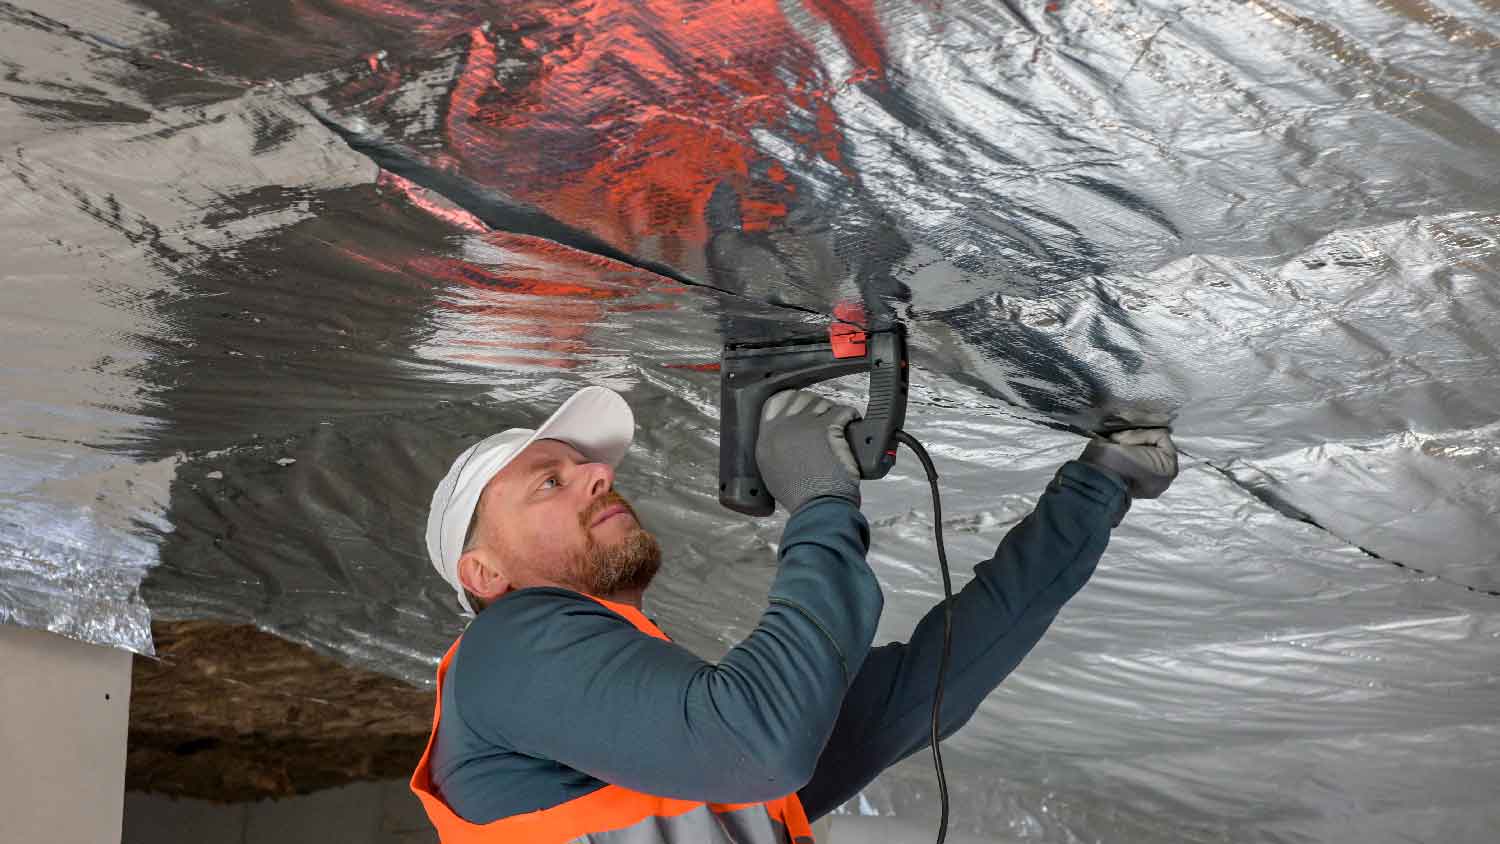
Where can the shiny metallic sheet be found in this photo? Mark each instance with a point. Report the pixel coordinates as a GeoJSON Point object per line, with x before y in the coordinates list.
{"type": "Point", "coordinates": [269, 266]}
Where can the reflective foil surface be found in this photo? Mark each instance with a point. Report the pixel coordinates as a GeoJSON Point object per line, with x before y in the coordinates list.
{"type": "Point", "coordinates": [270, 265]}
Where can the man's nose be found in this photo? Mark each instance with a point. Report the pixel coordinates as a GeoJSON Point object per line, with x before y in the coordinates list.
{"type": "Point", "coordinates": [601, 478]}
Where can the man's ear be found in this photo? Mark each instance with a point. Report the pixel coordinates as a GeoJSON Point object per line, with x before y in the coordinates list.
{"type": "Point", "coordinates": [481, 577]}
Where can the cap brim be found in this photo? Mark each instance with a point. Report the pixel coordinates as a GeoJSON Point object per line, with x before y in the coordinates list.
{"type": "Point", "coordinates": [594, 420]}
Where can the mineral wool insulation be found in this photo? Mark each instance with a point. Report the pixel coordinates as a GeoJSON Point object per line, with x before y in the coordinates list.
{"type": "Point", "coordinates": [269, 266]}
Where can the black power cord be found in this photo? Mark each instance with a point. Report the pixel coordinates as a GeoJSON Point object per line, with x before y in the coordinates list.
{"type": "Point", "coordinates": [937, 696]}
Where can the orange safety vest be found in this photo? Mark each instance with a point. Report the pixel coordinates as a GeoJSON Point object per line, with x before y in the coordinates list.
{"type": "Point", "coordinates": [614, 814]}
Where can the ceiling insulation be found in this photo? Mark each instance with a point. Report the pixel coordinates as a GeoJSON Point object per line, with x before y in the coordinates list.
{"type": "Point", "coordinates": [271, 265]}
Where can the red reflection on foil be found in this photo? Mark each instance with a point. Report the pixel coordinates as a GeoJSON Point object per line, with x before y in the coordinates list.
{"type": "Point", "coordinates": [854, 21]}
{"type": "Point", "coordinates": [434, 204]}
{"type": "Point", "coordinates": [454, 271]}
{"type": "Point", "coordinates": [533, 295]}
{"type": "Point", "coordinates": [626, 116]}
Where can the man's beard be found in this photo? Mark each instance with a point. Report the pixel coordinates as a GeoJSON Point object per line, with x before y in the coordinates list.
{"type": "Point", "coordinates": [625, 565]}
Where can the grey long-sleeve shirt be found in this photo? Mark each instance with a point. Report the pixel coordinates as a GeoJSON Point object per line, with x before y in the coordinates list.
{"type": "Point", "coordinates": [552, 695]}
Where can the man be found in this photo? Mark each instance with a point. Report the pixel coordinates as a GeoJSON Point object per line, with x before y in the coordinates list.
{"type": "Point", "coordinates": [564, 714]}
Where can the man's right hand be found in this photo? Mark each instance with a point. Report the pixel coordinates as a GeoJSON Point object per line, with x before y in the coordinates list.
{"type": "Point", "coordinates": [802, 452]}
{"type": "Point", "coordinates": [1144, 458]}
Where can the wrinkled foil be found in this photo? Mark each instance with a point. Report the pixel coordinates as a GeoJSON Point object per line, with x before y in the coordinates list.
{"type": "Point", "coordinates": [270, 266]}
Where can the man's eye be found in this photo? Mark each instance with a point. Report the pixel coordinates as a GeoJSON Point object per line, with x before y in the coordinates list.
{"type": "Point", "coordinates": [551, 479]}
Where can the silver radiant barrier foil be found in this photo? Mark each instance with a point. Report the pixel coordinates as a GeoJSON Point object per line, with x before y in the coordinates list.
{"type": "Point", "coordinates": [269, 266]}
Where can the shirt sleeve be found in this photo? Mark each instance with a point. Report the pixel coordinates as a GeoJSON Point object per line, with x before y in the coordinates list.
{"type": "Point", "coordinates": [997, 618]}
{"type": "Point", "coordinates": [555, 675]}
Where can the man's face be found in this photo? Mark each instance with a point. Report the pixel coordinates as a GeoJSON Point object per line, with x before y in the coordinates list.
{"type": "Point", "coordinates": [552, 518]}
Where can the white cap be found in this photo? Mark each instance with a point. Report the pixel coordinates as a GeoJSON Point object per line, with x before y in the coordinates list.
{"type": "Point", "coordinates": [594, 420]}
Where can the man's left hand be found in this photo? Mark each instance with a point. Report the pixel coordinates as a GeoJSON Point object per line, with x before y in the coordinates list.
{"type": "Point", "coordinates": [1144, 458]}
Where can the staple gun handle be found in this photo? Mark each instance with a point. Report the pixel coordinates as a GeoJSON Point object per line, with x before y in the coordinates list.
{"type": "Point", "coordinates": [753, 372]}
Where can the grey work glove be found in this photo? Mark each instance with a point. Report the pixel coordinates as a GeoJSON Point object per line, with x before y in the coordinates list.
{"type": "Point", "coordinates": [801, 449]}
{"type": "Point", "coordinates": [1144, 458]}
